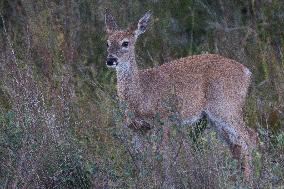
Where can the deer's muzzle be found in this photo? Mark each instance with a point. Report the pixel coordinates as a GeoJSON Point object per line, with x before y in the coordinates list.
{"type": "Point", "coordinates": [111, 61]}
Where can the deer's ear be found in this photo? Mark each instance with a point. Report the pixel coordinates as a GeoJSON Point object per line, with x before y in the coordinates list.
{"type": "Point", "coordinates": [110, 21]}
{"type": "Point", "coordinates": [143, 23]}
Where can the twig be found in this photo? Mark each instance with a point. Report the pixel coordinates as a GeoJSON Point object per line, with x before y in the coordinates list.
{"type": "Point", "coordinates": [192, 28]}
{"type": "Point", "coordinates": [9, 40]}
{"type": "Point", "coordinates": [18, 81]}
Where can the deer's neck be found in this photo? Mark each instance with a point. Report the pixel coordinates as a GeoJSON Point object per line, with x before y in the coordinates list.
{"type": "Point", "coordinates": [128, 84]}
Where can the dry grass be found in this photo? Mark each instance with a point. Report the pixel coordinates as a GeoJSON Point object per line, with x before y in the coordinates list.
{"type": "Point", "coordinates": [60, 125]}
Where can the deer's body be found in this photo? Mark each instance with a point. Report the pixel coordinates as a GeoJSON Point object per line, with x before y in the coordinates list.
{"type": "Point", "coordinates": [197, 82]}
{"type": "Point", "coordinates": [208, 83]}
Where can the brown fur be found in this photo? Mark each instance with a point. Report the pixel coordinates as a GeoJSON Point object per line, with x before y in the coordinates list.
{"type": "Point", "coordinates": [196, 84]}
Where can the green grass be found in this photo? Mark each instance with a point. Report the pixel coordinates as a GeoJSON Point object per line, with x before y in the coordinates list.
{"type": "Point", "coordinates": [60, 125]}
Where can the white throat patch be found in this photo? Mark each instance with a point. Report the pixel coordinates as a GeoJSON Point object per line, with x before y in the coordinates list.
{"type": "Point", "coordinates": [123, 67]}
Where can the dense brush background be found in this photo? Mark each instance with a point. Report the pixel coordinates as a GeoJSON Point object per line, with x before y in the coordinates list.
{"type": "Point", "coordinates": [59, 122]}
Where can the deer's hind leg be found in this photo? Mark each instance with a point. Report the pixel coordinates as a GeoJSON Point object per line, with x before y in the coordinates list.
{"type": "Point", "coordinates": [224, 108]}
{"type": "Point", "coordinates": [238, 144]}
{"type": "Point", "coordinates": [232, 129]}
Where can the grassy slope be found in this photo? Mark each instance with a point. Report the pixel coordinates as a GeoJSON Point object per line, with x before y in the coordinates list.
{"type": "Point", "coordinates": [60, 125]}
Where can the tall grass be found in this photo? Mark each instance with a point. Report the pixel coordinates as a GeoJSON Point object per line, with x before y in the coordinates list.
{"type": "Point", "coordinates": [60, 121]}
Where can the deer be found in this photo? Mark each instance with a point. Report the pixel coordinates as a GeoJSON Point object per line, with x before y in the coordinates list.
{"type": "Point", "coordinates": [206, 84]}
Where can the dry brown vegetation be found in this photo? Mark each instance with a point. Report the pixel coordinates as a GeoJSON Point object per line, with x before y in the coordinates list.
{"type": "Point", "coordinates": [60, 125]}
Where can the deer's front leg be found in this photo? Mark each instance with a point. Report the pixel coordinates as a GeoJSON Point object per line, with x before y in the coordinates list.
{"type": "Point", "coordinates": [135, 122]}
{"type": "Point", "coordinates": [138, 124]}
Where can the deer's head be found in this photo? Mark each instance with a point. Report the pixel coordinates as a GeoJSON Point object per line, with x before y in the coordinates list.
{"type": "Point", "coordinates": [121, 43]}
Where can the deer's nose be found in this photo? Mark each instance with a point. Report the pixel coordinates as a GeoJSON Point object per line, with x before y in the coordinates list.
{"type": "Point", "coordinates": [111, 61]}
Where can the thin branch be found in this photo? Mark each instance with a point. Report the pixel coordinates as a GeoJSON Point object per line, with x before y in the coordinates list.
{"type": "Point", "coordinates": [9, 40]}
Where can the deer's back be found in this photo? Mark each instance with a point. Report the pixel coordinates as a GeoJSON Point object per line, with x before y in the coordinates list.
{"type": "Point", "coordinates": [192, 81]}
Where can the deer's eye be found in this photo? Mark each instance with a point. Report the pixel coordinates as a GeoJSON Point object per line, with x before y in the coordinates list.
{"type": "Point", "coordinates": [125, 44]}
